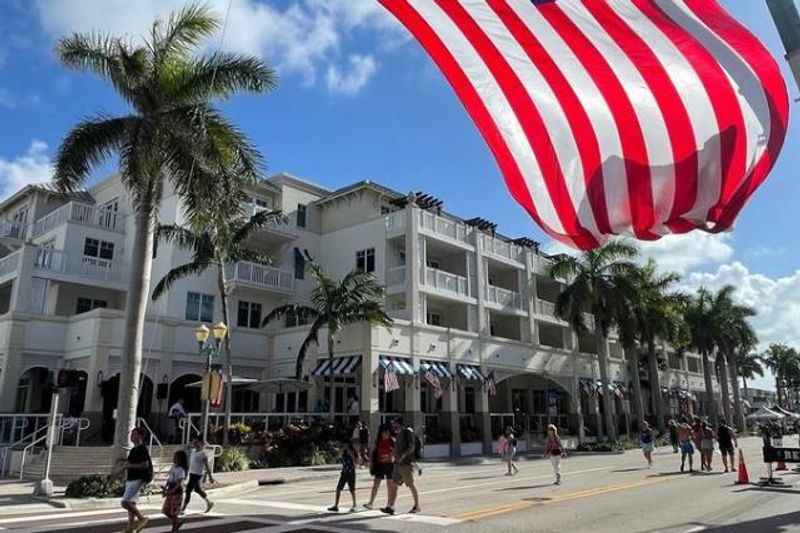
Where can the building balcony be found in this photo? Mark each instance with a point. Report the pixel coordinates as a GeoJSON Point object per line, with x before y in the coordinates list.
{"type": "Point", "coordinates": [504, 298]}
{"type": "Point", "coordinates": [396, 223]}
{"type": "Point", "coordinates": [396, 277]}
{"type": "Point", "coordinates": [276, 231]}
{"type": "Point", "coordinates": [445, 228]}
{"type": "Point", "coordinates": [78, 268]}
{"type": "Point", "coordinates": [502, 249]}
{"type": "Point", "coordinates": [260, 277]}
{"type": "Point", "coordinates": [80, 213]}
{"type": "Point", "coordinates": [548, 309]}
{"type": "Point", "coordinates": [446, 283]}
{"type": "Point", "coordinates": [11, 231]}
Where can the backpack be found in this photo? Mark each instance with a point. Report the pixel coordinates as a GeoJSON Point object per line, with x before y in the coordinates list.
{"type": "Point", "coordinates": [417, 448]}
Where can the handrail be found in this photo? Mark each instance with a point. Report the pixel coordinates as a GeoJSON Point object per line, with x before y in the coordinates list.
{"type": "Point", "coordinates": [81, 427]}
{"type": "Point", "coordinates": [187, 432]}
{"type": "Point", "coordinates": [36, 441]}
{"type": "Point", "coordinates": [143, 423]}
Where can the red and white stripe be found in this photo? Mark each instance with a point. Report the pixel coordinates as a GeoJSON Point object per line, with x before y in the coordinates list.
{"type": "Point", "coordinates": [612, 117]}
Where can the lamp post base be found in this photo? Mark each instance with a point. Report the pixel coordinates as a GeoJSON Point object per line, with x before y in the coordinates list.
{"type": "Point", "coordinates": [43, 487]}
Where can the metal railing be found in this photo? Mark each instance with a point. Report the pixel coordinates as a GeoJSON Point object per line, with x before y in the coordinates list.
{"type": "Point", "coordinates": [396, 276]}
{"type": "Point", "coordinates": [10, 263]}
{"type": "Point", "coordinates": [504, 297]}
{"type": "Point", "coordinates": [396, 221]}
{"type": "Point", "coordinates": [12, 230]}
{"type": "Point", "coordinates": [91, 215]}
{"type": "Point", "coordinates": [269, 421]}
{"type": "Point", "coordinates": [502, 248]}
{"type": "Point", "coordinates": [13, 426]}
{"type": "Point", "coordinates": [260, 275]}
{"type": "Point", "coordinates": [59, 261]}
{"type": "Point", "coordinates": [36, 438]}
{"type": "Point", "coordinates": [142, 423]}
{"type": "Point", "coordinates": [547, 308]}
{"type": "Point", "coordinates": [445, 281]}
{"type": "Point", "coordinates": [445, 227]}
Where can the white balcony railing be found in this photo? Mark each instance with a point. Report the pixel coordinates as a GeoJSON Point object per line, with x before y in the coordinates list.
{"type": "Point", "coordinates": [447, 282]}
{"type": "Point", "coordinates": [10, 263]}
{"type": "Point", "coordinates": [396, 276]}
{"type": "Point", "coordinates": [262, 276]}
{"type": "Point", "coordinates": [504, 297]}
{"type": "Point", "coordinates": [396, 221]}
{"type": "Point", "coordinates": [547, 308]}
{"type": "Point", "coordinates": [12, 230]}
{"type": "Point", "coordinates": [90, 215]}
{"type": "Point", "coordinates": [445, 227]}
{"type": "Point", "coordinates": [502, 248]}
{"type": "Point", "coordinates": [83, 266]}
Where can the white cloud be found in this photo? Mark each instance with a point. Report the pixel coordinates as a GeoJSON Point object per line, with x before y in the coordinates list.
{"type": "Point", "coordinates": [350, 82]}
{"type": "Point", "coordinates": [34, 166]}
{"type": "Point", "coordinates": [303, 39]}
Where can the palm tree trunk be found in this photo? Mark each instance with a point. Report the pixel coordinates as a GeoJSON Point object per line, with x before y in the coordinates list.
{"type": "Point", "coordinates": [602, 356]}
{"type": "Point", "coordinates": [332, 406]}
{"type": "Point", "coordinates": [744, 384]}
{"type": "Point", "coordinates": [733, 373]}
{"type": "Point", "coordinates": [135, 313]}
{"type": "Point", "coordinates": [655, 386]}
{"type": "Point", "coordinates": [223, 293]}
{"type": "Point", "coordinates": [723, 384]}
{"type": "Point", "coordinates": [708, 372]}
{"type": "Point", "coordinates": [633, 365]}
{"type": "Point", "coordinates": [778, 389]}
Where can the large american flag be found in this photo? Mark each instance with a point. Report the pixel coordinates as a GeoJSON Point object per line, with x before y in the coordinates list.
{"type": "Point", "coordinates": [635, 117]}
{"type": "Point", "coordinates": [390, 381]}
{"type": "Point", "coordinates": [433, 381]}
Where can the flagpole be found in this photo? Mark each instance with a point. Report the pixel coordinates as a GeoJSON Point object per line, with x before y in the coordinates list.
{"type": "Point", "coordinates": [787, 21]}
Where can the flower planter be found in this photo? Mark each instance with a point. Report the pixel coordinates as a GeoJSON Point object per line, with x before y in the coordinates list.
{"type": "Point", "coordinates": [436, 451]}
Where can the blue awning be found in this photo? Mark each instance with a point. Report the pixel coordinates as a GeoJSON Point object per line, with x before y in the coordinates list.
{"type": "Point", "coordinates": [470, 372]}
{"type": "Point", "coordinates": [399, 365]}
{"type": "Point", "coordinates": [338, 367]}
{"type": "Point", "coordinates": [439, 369]}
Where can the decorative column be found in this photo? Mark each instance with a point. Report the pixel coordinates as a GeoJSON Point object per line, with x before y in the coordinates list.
{"type": "Point", "coordinates": [415, 263]}
{"type": "Point", "coordinates": [452, 421]}
{"type": "Point", "coordinates": [412, 413]}
{"type": "Point", "coordinates": [484, 416]}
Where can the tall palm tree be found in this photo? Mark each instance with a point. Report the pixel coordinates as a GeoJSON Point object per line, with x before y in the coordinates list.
{"type": "Point", "coordinates": [590, 287]}
{"type": "Point", "coordinates": [783, 361]}
{"type": "Point", "coordinates": [655, 312]}
{"type": "Point", "coordinates": [171, 133]}
{"type": "Point", "coordinates": [748, 366]}
{"type": "Point", "coordinates": [735, 335]}
{"type": "Point", "coordinates": [699, 316]}
{"type": "Point", "coordinates": [334, 304]}
{"type": "Point", "coordinates": [220, 240]}
{"type": "Point", "coordinates": [627, 329]}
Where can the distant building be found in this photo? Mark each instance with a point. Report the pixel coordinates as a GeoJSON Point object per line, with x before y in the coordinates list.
{"type": "Point", "coordinates": [758, 398]}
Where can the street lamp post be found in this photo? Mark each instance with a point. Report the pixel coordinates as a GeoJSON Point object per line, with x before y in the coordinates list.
{"type": "Point", "coordinates": [209, 350]}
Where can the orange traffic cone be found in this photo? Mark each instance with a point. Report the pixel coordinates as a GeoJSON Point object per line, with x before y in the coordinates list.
{"type": "Point", "coordinates": [781, 466]}
{"type": "Point", "coordinates": [744, 479]}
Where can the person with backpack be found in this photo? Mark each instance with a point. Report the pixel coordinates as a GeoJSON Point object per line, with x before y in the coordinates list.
{"type": "Point", "coordinates": [198, 465]}
{"type": "Point", "coordinates": [382, 464]}
{"type": "Point", "coordinates": [726, 437]}
{"type": "Point", "coordinates": [507, 448]}
{"type": "Point", "coordinates": [554, 451]}
{"type": "Point", "coordinates": [403, 472]}
{"type": "Point", "coordinates": [139, 470]}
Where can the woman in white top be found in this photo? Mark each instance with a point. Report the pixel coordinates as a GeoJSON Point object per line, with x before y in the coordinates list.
{"type": "Point", "coordinates": [173, 490]}
{"type": "Point", "coordinates": [198, 464]}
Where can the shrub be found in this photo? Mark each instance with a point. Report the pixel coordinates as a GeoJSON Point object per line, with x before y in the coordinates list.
{"type": "Point", "coordinates": [232, 460]}
{"type": "Point", "coordinates": [297, 445]}
{"type": "Point", "coordinates": [95, 487]}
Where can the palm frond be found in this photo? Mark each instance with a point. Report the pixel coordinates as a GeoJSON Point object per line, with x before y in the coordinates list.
{"type": "Point", "coordinates": [184, 271]}
{"type": "Point", "coordinates": [289, 309]}
{"type": "Point", "coordinates": [311, 338]}
{"type": "Point", "coordinates": [184, 31]}
{"type": "Point", "coordinates": [220, 75]}
{"type": "Point", "coordinates": [180, 236]}
{"type": "Point", "coordinates": [255, 222]}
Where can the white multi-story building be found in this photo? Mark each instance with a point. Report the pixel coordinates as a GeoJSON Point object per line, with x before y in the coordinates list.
{"type": "Point", "coordinates": [467, 302]}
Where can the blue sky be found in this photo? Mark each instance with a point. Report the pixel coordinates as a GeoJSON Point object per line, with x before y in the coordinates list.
{"type": "Point", "coordinates": [358, 99]}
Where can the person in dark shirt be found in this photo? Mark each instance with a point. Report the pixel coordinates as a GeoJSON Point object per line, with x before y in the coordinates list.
{"type": "Point", "coordinates": [347, 477]}
{"type": "Point", "coordinates": [403, 472]}
{"type": "Point", "coordinates": [139, 470]}
{"type": "Point", "coordinates": [726, 437]}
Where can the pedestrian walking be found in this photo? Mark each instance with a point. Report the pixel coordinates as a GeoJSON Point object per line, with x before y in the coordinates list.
{"type": "Point", "coordinates": [173, 490]}
{"type": "Point", "coordinates": [139, 470]}
{"type": "Point", "coordinates": [198, 465]}
{"type": "Point", "coordinates": [382, 464]}
{"type": "Point", "coordinates": [177, 412]}
{"type": "Point", "coordinates": [507, 449]}
{"type": "Point", "coordinates": [707, 445]}
{"type": "Point", "coordinates": [347, 477]}
{"type": "Point", "coordinates": [554, 451]}
{"type": "Point", "coordinates": [726, 438]}
{"type": "Point", "coordinates": [673, 435]}
{"type": "Point", "coordinates": [355, 441]}
{"type": "Point", "coordinates": [403, 473]}
{"type": "Point", "coordinates": [686, 444]}
{"type": "Point", "coordinates": [647, 442]}
{"type": "Point", "coordinates": [363, 444]}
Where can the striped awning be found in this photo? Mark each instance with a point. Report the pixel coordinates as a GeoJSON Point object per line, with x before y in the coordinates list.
{"type": "Point", "coordinates": [337, 367]}
{"type": "Point", "coordinates": [398, 365]}
{"type": "Point", "coordinates": [439, 369]}
{"type": "Point", "coordinates": [470, 372]}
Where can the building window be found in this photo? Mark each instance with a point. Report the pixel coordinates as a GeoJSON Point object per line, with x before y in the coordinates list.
{"type": "Point", "coordinates": [293, 320]}
{"type": "Point", "coordinates": [301, 215]}
{"type": "Point", "coordinates": [365, 260]}
{"type": "Point", "coordinates": [245, 401]}
{"type": "Point", "coordinates": [249, 315]}
{"type": "Point", "coordinates": [469, 400]}
{"type": "Point", "coordinates": [434, 319]}
{"type": "Point", "coordinates": [199, 307]}
{"type": "Point", "coordinates": [674, 361]}
{"type": "Point", "coordinates": [98, 248]}
{"type": "Point", "coordinates": [87, 304]}
{"type": "Point", "coordinates": [694, 365]}
{"type": "Point", "coordinates": [299, 265]}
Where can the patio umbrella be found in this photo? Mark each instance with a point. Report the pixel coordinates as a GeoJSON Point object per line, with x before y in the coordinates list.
{"type": "Point", "coordinates": [764, 414]}
{"type": "Point", "coordinates": [279, 385]}
{"type": "Point", "coordinates": [234, 381]}
{"type": "Point", "coordinates": [785, 412]}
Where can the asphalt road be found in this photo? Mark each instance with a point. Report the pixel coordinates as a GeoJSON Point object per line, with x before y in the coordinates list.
{"type": "Point", "coordinates": [608, 493]}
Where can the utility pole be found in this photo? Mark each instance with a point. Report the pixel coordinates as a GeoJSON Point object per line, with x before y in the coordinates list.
{"type": "Point", "coordinates": [787, 20]}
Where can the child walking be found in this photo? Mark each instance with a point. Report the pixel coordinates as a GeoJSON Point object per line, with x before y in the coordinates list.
{"type": "Point", "coordinates": [507, 448]}
{"type": "Point", "coordinates": [199, 465]}
{"type": "Point", "coordinates": [347, 477]}
{"type": "Point", "coordinates": [554, 450]}
{"type": "Point", "coordinates": [647, 441]}
{"type": "Point", "coordinates": [173, 490]}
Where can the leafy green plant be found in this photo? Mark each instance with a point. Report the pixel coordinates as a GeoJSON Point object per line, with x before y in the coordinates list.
{"type": "Point", "coordinates": [95, 487]}
{"type": "Point", "coordinates": [233, 459]}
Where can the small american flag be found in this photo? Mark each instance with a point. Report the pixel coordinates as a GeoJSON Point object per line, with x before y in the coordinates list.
{"type": "Point", "coordinates": [492, 386]}
{"type": "Point", "coordinates": [390, 382]}
{"type": "Point", "coordinates": [433, 381]}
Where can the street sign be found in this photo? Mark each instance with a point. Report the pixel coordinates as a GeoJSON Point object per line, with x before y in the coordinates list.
{"type": "Point", "coordinates": [786, 455]}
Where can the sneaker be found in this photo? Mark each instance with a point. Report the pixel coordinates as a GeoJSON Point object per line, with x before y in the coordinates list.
{"type": "Point", "coordinates": [354, 509]}
{"type": "Point", "coordinates": [414, 510]}
{"type": "Point", "coordinates": [387, 510]}
{"type": "Point", "coordinates": [333, 509]}
{"type": "Point", "coordinates": [140, 524]}
{"type": "Point", "coordinates": [209, 506]}
{"type": "Point", "coordinates": [368, 506]}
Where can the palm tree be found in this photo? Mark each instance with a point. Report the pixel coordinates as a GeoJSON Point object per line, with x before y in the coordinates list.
{"type": "Point", "coordinates": [590, 287]}
{"type": "Point", "coordinates": [627, 329]}
{"type": "Point", "coordinates": [221, 241]}
{"type": "Point", "coordinates": [735, 335]}
{"type": "Point", "coordinates": [172, 133]}
{"type": "Point", "coordinates": [334, 304]}
{"type": "Point", "coordinates": [783, 361]}
{"type": "Point", "coordinates": [699, 316]}
{"type": "Point", "coordinates": [748, 366]}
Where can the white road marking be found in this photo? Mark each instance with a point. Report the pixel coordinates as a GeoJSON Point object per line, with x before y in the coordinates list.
{"type": "Point", "coordinates": [79, 514]}
{"type": "Point", "coordinates": [696, 529]}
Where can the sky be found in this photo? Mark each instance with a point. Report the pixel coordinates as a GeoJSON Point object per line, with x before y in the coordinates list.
{"type": "Point", "coordinates": [359, 99]}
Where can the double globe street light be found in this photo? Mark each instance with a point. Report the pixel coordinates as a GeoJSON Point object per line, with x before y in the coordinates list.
{"type": "Point", "coordinates": [209, 349]}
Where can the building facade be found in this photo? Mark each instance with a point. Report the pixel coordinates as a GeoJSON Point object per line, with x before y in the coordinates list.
{"type": "Point", "coordinates": [467, 304]}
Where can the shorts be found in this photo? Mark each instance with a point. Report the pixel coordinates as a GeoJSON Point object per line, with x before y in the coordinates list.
{"type": "Point", "coordinates": [383, 470]}
{"type": "Point", "coordinates": [403, 474]}
{"type": "Point", "coordinates": [707, 445]}
{"type": "Point", "coordinates": [349, 479]}
{"type": "Point", "coordinates": [647, 447]}
{"type": "Point", "coordinates": [172, 504]}
{"type": "Point", "coordinates": [687, 447]}
{"type": "Point", "coordinates": [726, 449]}
{"type": "Point", "coordinates": [132, 488]}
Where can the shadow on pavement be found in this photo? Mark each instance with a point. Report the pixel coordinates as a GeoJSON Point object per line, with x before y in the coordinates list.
{"type": "Point", "coordinates": [526, 487]}
{"type": "Point", "coordinates": [773, 524]}
{"type": "Point", "coordinates": [623, 470]}
{"type": "Point", "coordinates": [668, 474]}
